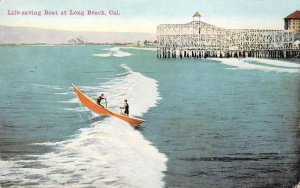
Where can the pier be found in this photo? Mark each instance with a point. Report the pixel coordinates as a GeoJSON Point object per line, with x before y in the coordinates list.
{"type": "Point", "coordinates": [198, 39]}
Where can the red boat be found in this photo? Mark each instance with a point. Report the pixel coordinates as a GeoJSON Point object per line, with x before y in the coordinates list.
{"type": "Point", "coordinates": [93, 106]}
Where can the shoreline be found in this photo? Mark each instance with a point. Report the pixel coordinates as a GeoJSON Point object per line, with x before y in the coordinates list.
{"type": "Point", "coordinates": [89, 44]}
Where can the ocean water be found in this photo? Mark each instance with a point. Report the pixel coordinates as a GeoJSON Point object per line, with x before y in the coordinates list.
{"type": "Point", "coordinates": [209, 122]}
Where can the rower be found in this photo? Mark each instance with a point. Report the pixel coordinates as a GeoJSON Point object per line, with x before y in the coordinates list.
{"type": "Point", "coordinates": [126, 108]}
{"type": "Point", "coordinates": [101, 98]}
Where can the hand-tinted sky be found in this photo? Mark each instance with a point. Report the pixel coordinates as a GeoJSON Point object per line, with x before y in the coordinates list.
{"type": "Point", "coordinates": [145, 15]}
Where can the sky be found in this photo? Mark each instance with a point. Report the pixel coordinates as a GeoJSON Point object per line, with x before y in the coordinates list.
{"type": "Point", "coordinates": [143, 16]}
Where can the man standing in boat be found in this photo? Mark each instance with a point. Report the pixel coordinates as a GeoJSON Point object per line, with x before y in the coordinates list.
{"type": "Point", "coordinates": [126, 108]}
{"type": "Point", "coordinates": [100, 98]}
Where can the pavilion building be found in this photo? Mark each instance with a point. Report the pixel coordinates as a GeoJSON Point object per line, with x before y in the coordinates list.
{"type": "Point", "coordinates": [292, 22]}
{"type": "Point", "coordinates": [198, 39]}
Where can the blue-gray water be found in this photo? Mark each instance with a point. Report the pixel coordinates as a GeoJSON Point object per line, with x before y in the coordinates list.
{"type": "Point", "coordinates": [208, 123]}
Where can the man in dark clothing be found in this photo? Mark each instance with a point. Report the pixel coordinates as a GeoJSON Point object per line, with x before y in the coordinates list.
{"type": "Point", "coordinates": [126, 108]}
{"type": "Point", "coordinates": [100, 98]}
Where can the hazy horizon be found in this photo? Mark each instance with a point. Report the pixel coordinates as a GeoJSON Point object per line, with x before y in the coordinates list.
{"type": "Point", "coordinates": [91, 31]}
{"type": "Point", "coordinates": [28, 35]}
{"type": "Point", "coordinates": [141, 16]}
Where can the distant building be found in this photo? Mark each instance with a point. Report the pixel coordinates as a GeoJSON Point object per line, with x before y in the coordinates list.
{"type": "Point", "coordinates": [78, 41]}
{"type": "Point", "coordinates": [146, 42]}
{"type": "Point", "coordinates": [297, 44]}
{"type": "Point", "coordinates": [139, 43]}
{"type": "Point", "coordinates": [292, 22]}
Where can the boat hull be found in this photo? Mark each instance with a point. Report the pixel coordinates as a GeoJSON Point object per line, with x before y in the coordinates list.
{"type": "Point", "coordinates": [93, 106]}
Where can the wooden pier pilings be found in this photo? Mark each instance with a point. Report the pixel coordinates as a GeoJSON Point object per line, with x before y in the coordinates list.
{"type": "Point", "coordinates": [168, 53]}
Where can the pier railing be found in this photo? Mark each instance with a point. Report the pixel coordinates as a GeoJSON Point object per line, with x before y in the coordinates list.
{"type": "Point", "coordinates": [199, 40]}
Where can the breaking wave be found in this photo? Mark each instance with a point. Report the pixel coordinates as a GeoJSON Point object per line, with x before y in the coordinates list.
{"type": "Point", "coordinates": [247, 64]}
{"type": "Point", "coordinates": [108, 153]}
{"type": "Point", "coordinates": [115, 51]}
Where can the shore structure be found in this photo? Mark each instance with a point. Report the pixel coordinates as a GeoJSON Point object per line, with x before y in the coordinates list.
{"type": "Point", "coordinates": [198, 39]}
{"type": "Point", "coordinates": [292, 22]}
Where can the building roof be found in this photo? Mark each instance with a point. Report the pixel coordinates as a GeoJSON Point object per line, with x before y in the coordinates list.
{"type": "Point", "coordinates": [294, 15]}
{"type": "Point", "coordinates": [197, 14]}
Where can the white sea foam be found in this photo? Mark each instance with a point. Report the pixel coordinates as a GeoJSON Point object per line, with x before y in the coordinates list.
{"type": "Point", "coordinates": [103, 55]}
{"type": "Point", "coordinates": [141, 48]}
{"type": "Point", "coordinates": [109, 153]}
{"type": "Point", "coordinates": [274, 62]}
{"type": "Point", "coordinates": [115, 51]}
{"type": "Point", "coordinates": [243, 65]}
{"type": "Point", "coordinates": [118, 53]}
{"type": "Point", "coordinates": [63, 93]}
{"type": "Point", "coordinates": [121, 74]}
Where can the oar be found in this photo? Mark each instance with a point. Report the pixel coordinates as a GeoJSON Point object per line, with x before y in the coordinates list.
{"type": "Point", "coordinates": [121, 112]}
